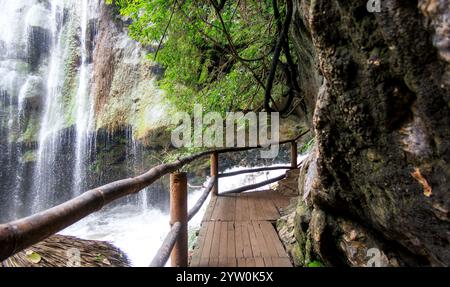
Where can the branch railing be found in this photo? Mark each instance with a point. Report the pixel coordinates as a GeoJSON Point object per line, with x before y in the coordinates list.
{"type": "Point", "coordinates": [20, 234]}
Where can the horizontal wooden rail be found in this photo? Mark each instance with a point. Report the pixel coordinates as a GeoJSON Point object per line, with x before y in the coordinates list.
{"type": "Point", "coordinates": [21, 234]}
{"type": "Point", "coordinates": [238, 149]}
{"type": "Point", "coordinates": [202, 199]}
{"type": "Point", "coordinates": [164, 251]}
{"type": "Point", "coordinates": [234, 173]}
{"type": "Point", "coordinates": [254, 186]}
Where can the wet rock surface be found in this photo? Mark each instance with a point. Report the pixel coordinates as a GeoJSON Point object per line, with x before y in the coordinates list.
{"type": "Point", "coordinates": [378, 177]}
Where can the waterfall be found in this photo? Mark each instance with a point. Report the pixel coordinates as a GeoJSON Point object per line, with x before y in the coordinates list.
{"type": "Point", "coordinates": [51, 149]}
{"type": "Point", "coordinates": [52, 120]}
{"type": "Point", "coordinates": [39, 119]}
{"type": "Point", "coordinates": [15, 84]}
{"type": "Point", "coordinates": [84, 120]}
{"type": "Point", "coordinates": [135, 158]}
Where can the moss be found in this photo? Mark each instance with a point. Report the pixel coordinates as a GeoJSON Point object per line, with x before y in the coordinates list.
{"type": "Point", "coordinates": [71, 77]}
{"type": "Point", "coordinates": [308, 247]}
{"type": "Point", "coordinates": [297, 255]}
{"type": "Point", "coordinates": [316, 263]}
{"type": "Point", "coordinates": [281, 224]}
{"type": "Point", "coordinates": [150, 110]}
{"type": "Point", "coordinates": [29, 156]}
{"type": "Point", "coordinates": [22, 67]}
{"type": "Point", "coordinates": [192, 237]}
{"type": "Point", "coordinates": [95, 167]}
{"type": "Point", "coordinates": [136, 103]}
{"type": "Point", "coordinates": [13, 137]}
{"type": "Point", "coordinates": [307, 146]}
{"type": "Point", "coordinates": [31, 132]}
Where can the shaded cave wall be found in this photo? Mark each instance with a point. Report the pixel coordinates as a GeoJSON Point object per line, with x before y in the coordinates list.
{"type": "Point", "coordinates": [378, 92]}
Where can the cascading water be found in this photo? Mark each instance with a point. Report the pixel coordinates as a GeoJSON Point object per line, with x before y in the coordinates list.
{"type": "Point", "coordinates": [53, 118]}
{"type": "Point", "coordinates": [46, 106]}
{"type": "Point", "coordinates": [84, 119]}
{"type": "Point", "coordinates": [16, 85]}
{"type": "Point", "coordinates": [135, 159]}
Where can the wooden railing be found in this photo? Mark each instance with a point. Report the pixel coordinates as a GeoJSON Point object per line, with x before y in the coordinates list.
{"type": "Point", "coordinates": [21, 234]}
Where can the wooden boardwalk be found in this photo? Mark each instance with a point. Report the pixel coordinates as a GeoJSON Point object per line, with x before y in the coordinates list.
{"type": "Point", "coordinates": [237, 231]}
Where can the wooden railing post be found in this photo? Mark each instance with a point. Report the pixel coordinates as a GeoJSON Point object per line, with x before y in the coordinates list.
{"type": "Point", "coordinates": [294, 155]}
{"type": "Point", "coordinates": [179, 213]}
{"type": "Point", "coordinates": [215, 172]}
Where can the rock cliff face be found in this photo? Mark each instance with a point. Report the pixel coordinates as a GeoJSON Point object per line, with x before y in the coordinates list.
{"type": "Point", "coordinates": [124, 89]}
{"type": "Point", "coordinates": [375, 188]}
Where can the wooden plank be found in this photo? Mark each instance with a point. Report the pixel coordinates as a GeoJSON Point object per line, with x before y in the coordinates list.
{"type": "Point", "coordinates": [197, 252]}
{"type": "Point", "coordinates": [280, 201]}
{"type": "Point", "coordinates": [269, 210]}
{"type": "Point", "coordinates": [223, 243]}
{"type": "Point", "coordinates": [256, 250]}
{"type": "Point", "coordinates": [281, 262]}
{"type": "Point", "coordinates": [259, 262]}
{"type": "Point", "coordinates": [270, 207]}
{"type": "Point", "coordinates": [231, 262]}
{"type": "Point", "coordinates": [267, 231]}
{"type": "Point", "coordinates": [259, 213]}
{"type": "Point", "coordinates": [204, 259]}
{"type": "Point", "coordinates": [252, 209]}
{"type": "Point", "coordinates": [231, 243]}
{"type": "Point", "coordinates": [213, 262]}
{"type": "Point", "coordinates": [250, 262]}
{"type": "Point", "coordinates": [238, 239]}
{"type": "Point", "coordinates": [268, 262]}
{"type": "Point", "coordinates": [273, 240]}
{"type": "Point", "coordinates": [245, 207]}
{"type": "Point", "coordinates": [217, 208]}
{"type": "Point", "coordinates": [210, 208]}
{"type": "Point", "coordinates": [231, 208]}
{"type": "Point", "coordinates": [227, 208]}
{"type": "Point", "coordinates": [239, 208]}
{"type": "Point", "coordinates": [216, 241]}
{"type": "Point", "coordinates": [247, 251]}
{"type": "Point", "coordinates": [265, 250]}
{"type": "Point", "coordinates": [272, 210]}
{"type": "Point", "coordinates": [223, 210]}
{"type": "Point", "coordinates": [241, 262]}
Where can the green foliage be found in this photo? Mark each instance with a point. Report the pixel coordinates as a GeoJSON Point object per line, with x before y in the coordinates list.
{"type": "Point", "coordinates": [31, 132]}
{"type": "Point", "coordinates": [214, 56]}
{"type": "Point", "coordinates": [315, 263]}
{"type": "Point", "coordinates": [307, 146]}
{"type": "Point", "coordinates": [33, 257]}
{"type": "Point", "coordinates": [29, 156]}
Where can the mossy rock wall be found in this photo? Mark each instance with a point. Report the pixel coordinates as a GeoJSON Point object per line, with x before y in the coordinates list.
{"type": "Point", "coordinates": [381, 121]}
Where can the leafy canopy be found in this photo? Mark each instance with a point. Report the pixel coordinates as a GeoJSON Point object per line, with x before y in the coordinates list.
{"type": "Point", "coordinates": [216, 53]}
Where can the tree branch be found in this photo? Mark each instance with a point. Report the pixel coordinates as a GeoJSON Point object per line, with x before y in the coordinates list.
{"type": "Point", "coordinates": [276, 56]}
{"type": "Point", "coordinates": [166, 29]}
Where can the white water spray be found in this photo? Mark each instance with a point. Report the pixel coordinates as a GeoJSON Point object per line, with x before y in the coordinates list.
{"type": "Point", "coordinates": [84, 118]}
{"type": "Point", "coordinates": [53, 118]}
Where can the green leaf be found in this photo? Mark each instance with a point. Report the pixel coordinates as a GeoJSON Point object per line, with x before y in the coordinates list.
{"type": "Point", "coordinates": [315, 263]}
{"type": "Point", "coordinates": [33, 257]}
